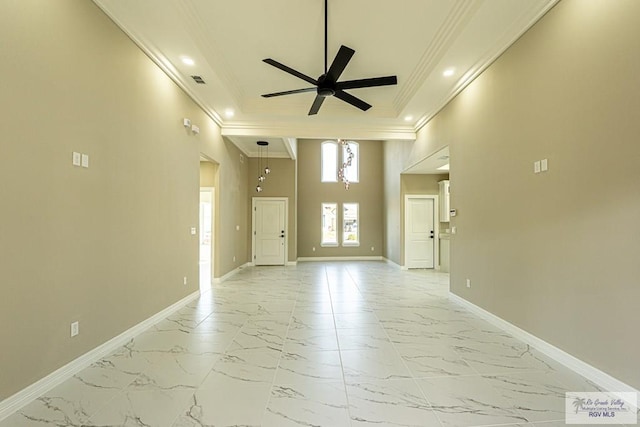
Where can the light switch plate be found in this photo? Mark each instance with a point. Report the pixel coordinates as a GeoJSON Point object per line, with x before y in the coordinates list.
{"type": "Point", "coordinates": [85, 160]}
{"type": "Point", "coordinates": [75, 328]}
{"type": "Point", "coordinates": [76, 158]}
{"type": "Point", "coordinates": [193, 231]}
{"type": "Point", "coordinates": [536, 166]}
{"type": "Point", "coordinates": [544, 165]}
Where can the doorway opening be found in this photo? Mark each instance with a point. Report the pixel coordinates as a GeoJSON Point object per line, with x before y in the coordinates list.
{"type": "Point", "coordinates": [206, 237]}
{"type": "Point", "coordinates": [209, 171]}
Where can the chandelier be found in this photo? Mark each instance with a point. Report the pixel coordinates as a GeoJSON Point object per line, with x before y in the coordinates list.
{"type": "Point", "coordinates": [345, 164]}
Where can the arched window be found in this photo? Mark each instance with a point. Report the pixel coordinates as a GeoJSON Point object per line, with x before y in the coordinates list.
{"type": "Point", "coordinates": [329, 159]}
{"type": "Point", "coordinates": [351, 171]}
{"type": "Point", "coordinates": [334, 156]}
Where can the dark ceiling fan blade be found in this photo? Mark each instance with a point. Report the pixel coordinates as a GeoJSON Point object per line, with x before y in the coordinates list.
{"type": "Point", "coordinates": [291, 71]}
{"type": "Point", "coordinates": [376, 81]}
{"type": "Point", "coordinates": [290, 92]}
{"type": "Point", "coordinates": [348, 98]}
{"type": "Point", "coordinates": [340, 63]}
{"type": "Point", "coordinates": [317, 103]}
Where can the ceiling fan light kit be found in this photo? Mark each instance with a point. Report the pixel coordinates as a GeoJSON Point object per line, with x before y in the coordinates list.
{"type": "Point", "coordinates": [327, 84]}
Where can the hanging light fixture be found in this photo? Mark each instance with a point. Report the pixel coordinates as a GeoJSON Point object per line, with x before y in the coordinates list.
{"type": "Point", "coordinates": [261, 172]}
{"type": "Point", "coordinates": [346, 163]}
{"type": "Point", "coordinates": [267, 170]}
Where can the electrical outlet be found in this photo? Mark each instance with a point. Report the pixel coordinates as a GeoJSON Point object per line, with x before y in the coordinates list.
{"type": "Point", "coordinates": [75, 328]}
{"type": "Point", "coordinates": [313, 249]}
{"type": "Point", "coordinates": [184, 280]}
{"type": "Point", "coordinates": [373, 248]}
{"type": "Point", "coordinates": [234, 259]}
{"type": "Point", "coordinates": [544, 165]}
{"type": "Point", "coordinates": [468, 283]}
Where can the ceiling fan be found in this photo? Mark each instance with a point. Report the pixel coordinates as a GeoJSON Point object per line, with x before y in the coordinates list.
{"type": "Point", "coordinates": [327, 84]}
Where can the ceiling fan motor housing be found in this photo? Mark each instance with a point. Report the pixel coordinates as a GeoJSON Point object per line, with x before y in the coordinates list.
{"type": "Point", "coordinates": [326, 87]}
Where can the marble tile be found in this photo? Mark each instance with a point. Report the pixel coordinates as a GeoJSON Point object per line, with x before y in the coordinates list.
{"type": "Point", "coordinates": [309, 366]}
{"type": "Point", "coordinates": [331, 343]}
{"type": "Point", "coordinates": [537, 396]}
{"type": "Point", "coordinates": [372, 365]}
{"type": "Point", "coordinates": [256, 338]}
{"type": "Point", "coordinates": [158, 408]}
{"type": "Point", "coordinates": [225, 401]}
{"type": "Point", "coordinates": [70, 404]}
{"type": "Point", "coordinates": [425, 360]}
{"type": "Point", "coordinates": [468, 401]}
{"type": "Point", "coordinates": [310, 340]}
{"type": "Point", "coordinates": [249, 365]}
{"type": "Point", "coordinates": [304, 320]}
{"type": "Point", "coordinates": [307, 404]}
{"type": "Point", "coordinates": [356, 320]}
{"type": "Point", "coordinates": [389, 403]}
{"type": "Point", "coordinates": [501, 358]}
{"type": "Point", "coordinates": [175, 372]}
{"type": "Point", "coordinates": [366, 338]}
{"type": "Point", "coordinates": [344, 307]}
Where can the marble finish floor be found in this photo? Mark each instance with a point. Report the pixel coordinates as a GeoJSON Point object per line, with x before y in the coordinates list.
{"type": "Point", "coordinates": [321, 344]}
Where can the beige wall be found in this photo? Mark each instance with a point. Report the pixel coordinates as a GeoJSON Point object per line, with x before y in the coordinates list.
{"type": "Point", "coordinates": [208, 174]}
{"type": "Point", "coordinates": [395, 158]}
{"type": "Point", "coordinates": [231, 224]}
{"type": "Point", "coordinates": [107, 246]}
{"type": "Point", "coordinates": [553, 253]}
{"type": "Point", "coordinates": [312, 193]}
{"type": "Point", "coordinates": [279, 183]}
{"type": "Point", "coordinates": [421, 183]}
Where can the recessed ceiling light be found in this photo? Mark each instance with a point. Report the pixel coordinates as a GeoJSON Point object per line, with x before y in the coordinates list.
{"type": "Point", "coordinates": [448, 72]}
{"type": "Point", "coordinates": [408, 118]}
{"type": "Point", "coordinates": [187, 61]}
{"type": "Point", "coordinates": [444, 167]}
{"type": "Point", "coordinates": [229, 113]}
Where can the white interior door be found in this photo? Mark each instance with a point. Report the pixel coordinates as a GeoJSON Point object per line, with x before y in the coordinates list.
{"type": "Point", "coordinates": [420, 232]}
{"type": "Point", "coordinates": [269, 227]}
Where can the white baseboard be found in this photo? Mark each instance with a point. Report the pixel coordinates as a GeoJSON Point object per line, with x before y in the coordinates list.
{"type": "Point", "coordinates": [217, 280]}
{"type": "Point", "coordinates": [592, 373]}
{"type": "Point", "coordinates": [27, 395]}
{"type": "Point", "coordinates": [340, 258]}
{"type": "Point", "coordinates": [292, 263]}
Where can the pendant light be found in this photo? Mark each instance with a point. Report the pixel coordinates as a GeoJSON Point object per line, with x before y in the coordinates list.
{"type": "Point", "coordinates": [262, 172]}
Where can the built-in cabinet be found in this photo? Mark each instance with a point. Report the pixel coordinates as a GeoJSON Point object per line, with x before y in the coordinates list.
{"type": "Point", "coordinates": [444, 200]}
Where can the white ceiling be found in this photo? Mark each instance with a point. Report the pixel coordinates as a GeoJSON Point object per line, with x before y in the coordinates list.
{"type": "Point", "coordinates": [417, 40]}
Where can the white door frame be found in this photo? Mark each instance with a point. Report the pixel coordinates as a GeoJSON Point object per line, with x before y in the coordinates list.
{"type": "Point", "coordinates": [436, 227]}
{"type": "Point", "coordinates": [254, 200]}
